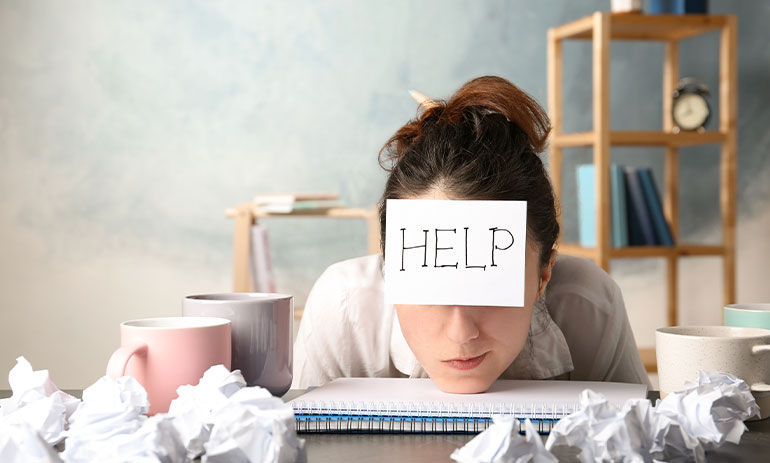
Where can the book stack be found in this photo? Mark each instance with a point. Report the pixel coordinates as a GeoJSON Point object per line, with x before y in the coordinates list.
{"type": "Point", "coordinates": [636, 213]}
{"type": "Point", "coordinates": [288, 203]}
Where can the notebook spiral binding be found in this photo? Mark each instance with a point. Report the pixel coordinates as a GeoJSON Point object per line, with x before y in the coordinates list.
{"type": "Point", "coordinates": [419, 417]}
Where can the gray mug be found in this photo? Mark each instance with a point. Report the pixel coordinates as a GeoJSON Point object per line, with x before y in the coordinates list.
{"type": "Point", "coordinates": [262, 334]}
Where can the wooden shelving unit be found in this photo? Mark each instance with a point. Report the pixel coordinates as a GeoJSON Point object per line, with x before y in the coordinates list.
{"type": "Point", "coordinates": [601, 28]}
{"type": "Point", "coordinates": [247, 214]}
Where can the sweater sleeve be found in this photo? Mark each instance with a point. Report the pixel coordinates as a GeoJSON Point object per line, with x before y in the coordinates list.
{"type": "Point", "coordinates": [344, 331]}
{"type": "Point", "coordinates": [322, 326]}
{"type": "Point", "coordinates": [625, 366]}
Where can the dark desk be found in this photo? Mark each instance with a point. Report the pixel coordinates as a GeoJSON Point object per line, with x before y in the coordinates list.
{"type": "Point", "coordinates": [754, 446]}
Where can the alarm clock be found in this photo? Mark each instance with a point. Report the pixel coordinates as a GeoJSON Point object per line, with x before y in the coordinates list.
{"type": "Point", "coordinates": [690, 109]}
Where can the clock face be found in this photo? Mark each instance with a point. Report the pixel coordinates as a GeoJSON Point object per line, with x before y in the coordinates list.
{"type": "Point", "coordinates": [690, 111]}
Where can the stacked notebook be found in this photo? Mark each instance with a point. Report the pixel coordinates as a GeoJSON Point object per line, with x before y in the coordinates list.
{"type": "Point", "coordinates": [636, 212]}
{"type": "Point", "coordinates": [400, 405]}
{"type": "Point", "coordinates": [296, 202]}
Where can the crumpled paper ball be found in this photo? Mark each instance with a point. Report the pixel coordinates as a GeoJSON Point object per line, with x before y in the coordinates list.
{"type": "Point", "coordinates": [192, 411]}
{"type": "Point", "coordinates": [502, 443]}
{"type": "Point", "coordinates": [21, 443]}
{"type": "Point", "coordinates": [254, 427]}
{"type": "Point", "coordinates": [716, 405]}
{"type": "Point", "coordinates": [110, 426]}
{"type": "Point", "coordinates": [157, 440]}
{"type": "Point", "coordinates": [218, 415]}
{"type": "Point", "coordinates": [37, 401]}
{"type": "Point", "coordinates": [604, 433]}
{"type": "Point", "coordinates": [681, 427]}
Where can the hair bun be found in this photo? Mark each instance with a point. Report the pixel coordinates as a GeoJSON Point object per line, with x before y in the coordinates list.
{"type": "Point", "coordinates": [482, 96]}
{"type": "Point", "coordinates": [491, 94]}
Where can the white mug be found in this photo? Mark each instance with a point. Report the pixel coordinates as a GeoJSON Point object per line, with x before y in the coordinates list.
{"type": "Point", "coordinates": [683, 350]}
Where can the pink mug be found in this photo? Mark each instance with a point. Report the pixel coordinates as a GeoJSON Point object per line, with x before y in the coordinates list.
{"type": "Point", "coordinates": [165, 353]}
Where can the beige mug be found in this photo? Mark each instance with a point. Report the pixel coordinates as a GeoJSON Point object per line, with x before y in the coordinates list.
{"type": "Point", "coordinates": [682, 351]}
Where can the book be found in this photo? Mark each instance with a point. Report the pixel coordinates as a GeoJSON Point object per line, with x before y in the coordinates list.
{"type": "Point", "coordinates": [635, 237]}
{"type": "Point", "coordinates": [261, 263]}
{"type": "Point", "coordinates": [619, 215]}
{"type": "Point", "coordinates": [405, 405]}
{"type": "Point", "coordinates": [586, 186]}
{"type": "Point", "coordinates": [289, 198]}
{"type": "Point", "coordinates": [639, 222]}
{"type": "Point", "coordinates": [287, 208]}
{"type": "Point", "coordinates": [662, 230]}
{"type": "Point", "coordinates": [586, 189]}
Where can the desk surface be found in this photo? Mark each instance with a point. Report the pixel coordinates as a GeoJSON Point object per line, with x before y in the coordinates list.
{"type": "Point", "coordinates": [754, 446]}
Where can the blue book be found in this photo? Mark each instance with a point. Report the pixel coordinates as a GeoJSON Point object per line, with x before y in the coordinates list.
{"type": "Point", "coordinates": [586, 189]}
{"type": "Point", "coordinates": [662, 230]}
{"type": "Point", "coordinates": [618, 205]}
{"type": "Point", "coordinates": [639, 221]}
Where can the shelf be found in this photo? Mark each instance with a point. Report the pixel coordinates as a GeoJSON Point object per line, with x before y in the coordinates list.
{"type": "Point", "coordinates": [640, 138]}
{"type": "Point", "coordinates": [247, 214]}
{"type": "Point", "coordinates": [601, 28]}
{"type": "Point", "coordinates": [336, 212]}
{"type": "Point", "coordinates": [630, 252]}
{"type": "Point", "coordinates": [643, 27]}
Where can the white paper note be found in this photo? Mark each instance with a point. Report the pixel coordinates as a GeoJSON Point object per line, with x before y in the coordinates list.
{"type": "Point", "coordinates": [445, 252]}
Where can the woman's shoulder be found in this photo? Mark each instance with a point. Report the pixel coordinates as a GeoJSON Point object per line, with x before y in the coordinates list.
{"type": "Point", "coordinates": [575, 280]}
{"type": "Point", "coordinates": [345, 326]}
{"type": "Point", "coordinates": [348, 287]}
{"type": "Point", "coordinates": [359, 272]}
{"type": "Point", "coordinates": [577, 274]}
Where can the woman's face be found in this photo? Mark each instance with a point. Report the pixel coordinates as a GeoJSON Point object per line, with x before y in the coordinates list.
{"type": "Point", "coordinates": [464, 349]}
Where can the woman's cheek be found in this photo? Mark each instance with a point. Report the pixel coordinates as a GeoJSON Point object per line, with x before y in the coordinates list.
{"type": "Point", "coordinates": [418, 325]}
{"type": "Point", "coordinates": [509, 330]}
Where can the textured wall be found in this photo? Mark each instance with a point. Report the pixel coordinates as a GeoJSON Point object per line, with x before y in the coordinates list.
{"type": "Point", "coordinates": [126, 129]}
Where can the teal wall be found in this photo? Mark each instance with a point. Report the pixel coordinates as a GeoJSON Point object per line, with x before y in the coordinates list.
{"type": "Point", "coordinates": [127, 128]}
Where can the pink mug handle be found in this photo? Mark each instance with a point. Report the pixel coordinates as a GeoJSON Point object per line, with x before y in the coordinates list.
{"type": "Point", "coordinates": [116, 367]}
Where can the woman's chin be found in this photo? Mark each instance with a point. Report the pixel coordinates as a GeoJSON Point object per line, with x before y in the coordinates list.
{"type": "Point", "coordinates": [466, 385]}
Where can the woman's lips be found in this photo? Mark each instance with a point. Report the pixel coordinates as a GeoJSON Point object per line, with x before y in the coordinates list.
{"type": "Point", "coordinates": [465, 363]}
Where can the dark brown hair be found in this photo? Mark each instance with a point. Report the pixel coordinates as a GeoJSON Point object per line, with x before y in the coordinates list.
{"type": "Point", "coordinates": [480, 144]}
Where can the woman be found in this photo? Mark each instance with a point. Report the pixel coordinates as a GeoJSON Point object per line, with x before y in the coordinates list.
{"type": "Point", "coordinates": [482, 143]}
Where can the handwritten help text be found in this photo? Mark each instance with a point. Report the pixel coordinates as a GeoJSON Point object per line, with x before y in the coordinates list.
{"type": "Point", "coordinates": [436, 248]}
{"type": "Point", "coordinates": [455, 252]}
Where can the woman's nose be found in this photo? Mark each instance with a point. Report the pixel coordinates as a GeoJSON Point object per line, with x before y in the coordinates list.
{"type": "Point", "coordinates": [462, 326]}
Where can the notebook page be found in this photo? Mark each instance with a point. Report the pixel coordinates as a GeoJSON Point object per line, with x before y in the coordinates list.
{"type": "Point", "coordinates": [405, 390]}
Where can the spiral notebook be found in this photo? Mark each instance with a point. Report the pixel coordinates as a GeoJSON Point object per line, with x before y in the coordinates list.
{"type": "Point", "coordinates": [401, 405]}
